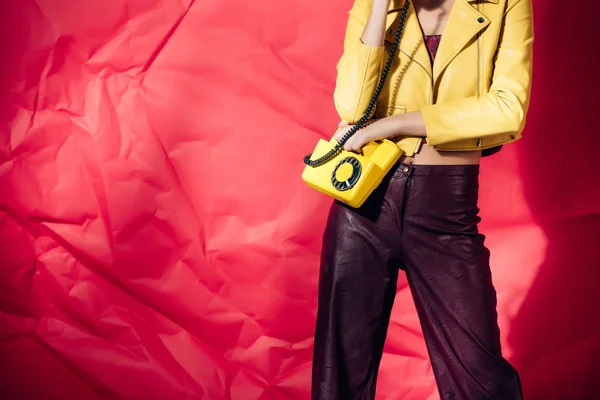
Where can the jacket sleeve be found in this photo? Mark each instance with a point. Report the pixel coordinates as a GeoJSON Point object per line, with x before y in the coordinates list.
{"type": "Point", "coordinates": [359, 67]}
{"type": "Point", "coordinates": [503, 109]}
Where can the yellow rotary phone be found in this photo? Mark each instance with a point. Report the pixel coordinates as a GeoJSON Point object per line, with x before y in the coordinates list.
{"type": "Point", "coordinates": [347, 176]}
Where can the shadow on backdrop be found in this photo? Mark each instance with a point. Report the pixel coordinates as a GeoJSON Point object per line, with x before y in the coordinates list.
{"type": "Point", "coordinates": [559, 165]}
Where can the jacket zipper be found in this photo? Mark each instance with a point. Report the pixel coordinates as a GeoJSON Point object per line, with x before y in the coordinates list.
{"type": "Point", "coordinates": [478, 59]}
{"type": "Point", "coordinates": [418, 148]}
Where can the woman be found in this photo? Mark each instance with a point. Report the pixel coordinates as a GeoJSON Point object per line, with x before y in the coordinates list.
{"type": "Point", "coordinates": [445, 107]}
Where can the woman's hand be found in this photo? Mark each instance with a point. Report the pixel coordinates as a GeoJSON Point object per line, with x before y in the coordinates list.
{"type": "Point", "coordinates": [373, 130]}
{"type": "Point", "coordinates": [385, 128]}
{"type": "Point", "coordinates": [374, 31]}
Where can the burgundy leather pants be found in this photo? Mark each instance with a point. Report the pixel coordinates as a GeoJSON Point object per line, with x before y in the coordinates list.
{"type": "Point", "coordinates": [422, 220]}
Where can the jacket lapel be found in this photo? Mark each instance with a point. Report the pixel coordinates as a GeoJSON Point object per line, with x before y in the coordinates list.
{"type": "Point", "coordinates": [464, 23]}
{"type": "Point", "coordinates": [412, 42]}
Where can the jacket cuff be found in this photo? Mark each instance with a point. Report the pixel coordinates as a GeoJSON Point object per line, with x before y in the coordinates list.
{"type": "Point", "coordinates": [439, 130]}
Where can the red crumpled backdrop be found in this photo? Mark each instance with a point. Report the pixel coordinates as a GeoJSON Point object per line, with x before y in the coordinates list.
{"type": "Point", "coordinates": [157, 242]}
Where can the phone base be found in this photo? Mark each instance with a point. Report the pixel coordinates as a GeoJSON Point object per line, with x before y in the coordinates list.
{"type": "Point", "coordinates": [350, 177]}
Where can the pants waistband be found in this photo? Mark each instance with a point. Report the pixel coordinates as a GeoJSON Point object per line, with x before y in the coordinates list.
{"type": "Point", "coordinates": [422, 169]}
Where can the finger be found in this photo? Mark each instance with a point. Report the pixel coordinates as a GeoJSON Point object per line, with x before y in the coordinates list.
{"type": "Point", "coordinates": [357, 145]}
{"type": "Point", "coordinates": [360, 140]}
{"type": "Point", "coordinates": [351, 143]}
{"type": "Point", "coordinates": [340, 133]}
{"type": "Point", "coordinates": [357, 141]}
{"type": "Point", "coordinates": [348, 145]}
{"type": "Point", "coordinates": [343, 124]}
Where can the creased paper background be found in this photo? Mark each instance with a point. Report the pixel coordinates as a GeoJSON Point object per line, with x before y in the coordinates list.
{"type": "Point", "coordinates": [157, 242]}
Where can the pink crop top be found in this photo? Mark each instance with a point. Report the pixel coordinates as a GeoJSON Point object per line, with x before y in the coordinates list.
{"type": "Point", "coordinates": [432, 42]}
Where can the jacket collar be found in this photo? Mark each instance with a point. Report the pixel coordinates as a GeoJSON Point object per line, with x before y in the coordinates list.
{"type": "Point", "coordinates": [464, 23]}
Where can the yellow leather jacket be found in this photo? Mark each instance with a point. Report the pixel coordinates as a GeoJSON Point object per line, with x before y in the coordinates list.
{"type": "Point", "coordinates": [476, 95]}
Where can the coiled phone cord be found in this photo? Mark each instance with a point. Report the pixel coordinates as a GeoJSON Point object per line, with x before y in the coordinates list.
{"type": "Point", "coordinates": [332, 153]}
